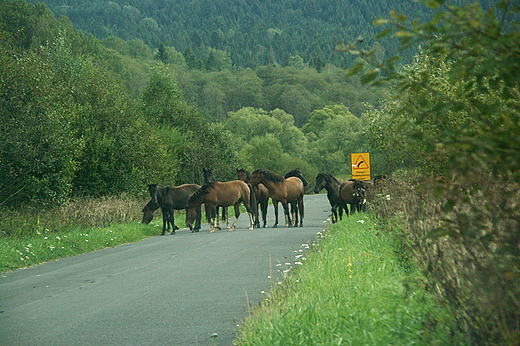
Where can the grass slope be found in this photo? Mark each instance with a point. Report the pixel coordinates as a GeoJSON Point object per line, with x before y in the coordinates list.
{"type": "Point", "coordinates": [354, 288]}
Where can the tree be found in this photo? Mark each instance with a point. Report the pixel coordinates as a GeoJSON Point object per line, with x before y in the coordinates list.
{"type": "Point", "coordinates": [162, 54]}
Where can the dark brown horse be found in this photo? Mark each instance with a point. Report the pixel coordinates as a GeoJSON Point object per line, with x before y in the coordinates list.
{"type": "Point", "coordinates": [261, 197]}
{"type": "Point", "coordinates": [332, 185]}
{"type": "Point", "coordinates": [352, 192]}
{"type": "Point", "coordinates": [218, 194]}
{"type": "Point", "coordinates": [171, 198]}
{"type": "Point", "coordinates": [148, 211]}
{"type": "Point", "coordinates": [286, 191]}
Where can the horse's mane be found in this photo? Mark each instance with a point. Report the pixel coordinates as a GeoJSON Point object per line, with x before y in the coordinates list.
{"type": "Point", "coordinates": [296, 173]}
{"type": "Point", "coordinates": [248, 175]}
{"type": "Point", "coordinates": [270, 176]}
{"type": "Point", "coordinates": [197, 195]}
{"type": "Point", "coordinates": [329, 177]}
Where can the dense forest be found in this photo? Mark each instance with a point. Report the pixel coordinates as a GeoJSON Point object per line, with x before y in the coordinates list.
{"type": "Point", "coordinates": [254, 33]}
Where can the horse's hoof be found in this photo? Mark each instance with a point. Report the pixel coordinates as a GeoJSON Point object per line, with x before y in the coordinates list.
{"type": "Point", "coordinates": [212, 231]}
{"type": "Point", "coordinates": [175, 228]}
{"type": "Point", "coordinates": [162, 233]}
{"type": "Point", "coordinates": [275, 226]}
{"type": "Point", "coordinates": [250, 228]}
{"type": "Point", "coordinates": [231, 229]}
{"type": "Point", "coordinates": [172, 233]}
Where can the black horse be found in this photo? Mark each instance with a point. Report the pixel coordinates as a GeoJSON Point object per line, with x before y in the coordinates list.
{"type": "Point", "coordinates": [332, 185]}
{"type": "Point", "coordinates": [170, 198]}
{"type": "Point", "coordinates": [296, 173]}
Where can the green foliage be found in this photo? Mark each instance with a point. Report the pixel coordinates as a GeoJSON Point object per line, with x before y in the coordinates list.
{"type": "Point", "coordinates": [197, 144]}
{"type": "Point", "coordinates": [334, 133]}
{"type": "Point", "coordinates": [69, 125]}
{"type": "Point", "coordinates": [456, 114]}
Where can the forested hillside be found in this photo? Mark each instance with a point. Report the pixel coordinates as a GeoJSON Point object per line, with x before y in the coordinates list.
{"type": "Point", "coordinates": [80, 118]}
{"type": "Point", "coordinates": [254, 33]}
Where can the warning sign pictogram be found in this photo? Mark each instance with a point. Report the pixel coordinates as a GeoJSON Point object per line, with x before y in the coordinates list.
{"type": "Point", "coordinates": [360, 166]}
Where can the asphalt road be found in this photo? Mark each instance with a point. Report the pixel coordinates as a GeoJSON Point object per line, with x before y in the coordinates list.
{"type": "Point", "coordinates": [184, 289]}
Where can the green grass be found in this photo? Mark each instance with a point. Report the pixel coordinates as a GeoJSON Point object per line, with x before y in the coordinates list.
{"type": "Point", "coordinates": [354, 288]}
{"type": "Point", "coordinates": [43, 245]}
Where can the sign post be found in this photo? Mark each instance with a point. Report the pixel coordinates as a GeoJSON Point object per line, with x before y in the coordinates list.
{"type": "Point", "coordinates": [360, 166]}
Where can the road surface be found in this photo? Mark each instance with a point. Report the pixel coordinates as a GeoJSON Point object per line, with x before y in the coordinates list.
{"type": "Point", "coordinates": [184, 289]}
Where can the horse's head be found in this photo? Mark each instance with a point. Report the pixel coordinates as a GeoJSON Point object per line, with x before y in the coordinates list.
{"type": "Point", "coordinates": [191, 215]}
{"type": "Point", "coordinates": [208, 175]}
{"type": "Point", "coordinates": [257, 177]}
{"type": "Point", "coordinates": [153, 189]}
{"type": "Point", "coordinates": [243, 174]}
{"type": "Point", "coordinates": [148, 211]}
{"type": "Point", "coordinates": [320, 183]}
{"type": "Point", "coordinates": [147, 216]}
{"type": "Point", "coordinates": [359, 191]}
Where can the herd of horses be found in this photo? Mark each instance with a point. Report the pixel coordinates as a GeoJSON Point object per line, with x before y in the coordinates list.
{"type": "Point", "coordinates": [253, 190]}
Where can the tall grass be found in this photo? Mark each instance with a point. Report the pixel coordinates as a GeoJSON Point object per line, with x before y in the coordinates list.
{"type": "Point", "coordinates": [30, 236]}
{"type": "Point", "coordinates": [356, 287]}
{"type": "Point", "coordinates": [464, 233]}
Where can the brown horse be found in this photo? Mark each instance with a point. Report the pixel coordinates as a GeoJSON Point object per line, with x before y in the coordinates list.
{"type": "Point", "coordinates": [171, 198]}
{"type": "Point", "coordinates": [218, 194]}
{"type": "Point", "coordinates": [261, 197]}
{"type": "Point", "coordinates": [208, 179]}
{"type": "Point", "coordinates": [352, 192]}
{"type": "Point", "coordinates": [282, 190]}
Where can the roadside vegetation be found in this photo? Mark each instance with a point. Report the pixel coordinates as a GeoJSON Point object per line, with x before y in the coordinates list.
{"type": "Point", "coordinates": [30, 237]}
{"type": "Point", "coordinates": [356, 286]}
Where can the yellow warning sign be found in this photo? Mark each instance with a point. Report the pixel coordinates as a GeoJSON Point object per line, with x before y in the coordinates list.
{"type": "Point", "coordinates": [360, 166]}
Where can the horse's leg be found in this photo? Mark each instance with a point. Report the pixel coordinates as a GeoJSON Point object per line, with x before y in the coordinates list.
{"type": "Point", "coordinates": [225, 216]}
{"type": "Point", "coordinates": [264, 206]}
{"type": "Point", "coordinates": [251, 207]}
{"type": "Point", "coordinates": [165, 224]}
{"type": "Point", "coordinates": [256, 215]}
{"type": "Point", "coordinates": [214, 219]}
{"type": "Point", "coordinates": [334, 214]}
{"type": "Point", "coordinates": [302, 210]}
{"type": "Point", "coordinates": [172, 221]}
{"type": "Point", "coordinates": [197, 220]}
{"type": "Point", "coordinates": [287, 214]}
{"type": "Point", "coordinates": [275, 205]}
{"type": "Point", "coordinates": [237, 214]}
{"type": "Point", "coordinates": [294, 213]}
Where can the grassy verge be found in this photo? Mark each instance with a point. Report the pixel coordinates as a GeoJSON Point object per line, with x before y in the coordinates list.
{"type": "Point", "coordinates": [47, 246]}
{"type": "Point", "coordinates": [28, 238]}
{"type": "Point", "coordinates": [354, 288]}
